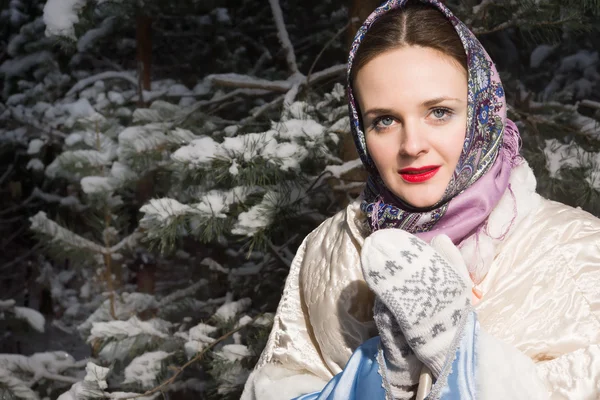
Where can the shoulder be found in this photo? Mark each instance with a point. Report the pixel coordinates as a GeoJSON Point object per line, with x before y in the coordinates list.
{"type": "Point", "coordinates": [561, 224]}
{"type": "Point", "coordinates": [347, 224]}
{"type": "Point", "coordinates": [558, 248]}
{"type": "Point", "coordinates": [331, 283]}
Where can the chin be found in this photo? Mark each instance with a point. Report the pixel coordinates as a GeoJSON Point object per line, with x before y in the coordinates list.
{"type": "Point", "coordinates": [422, 200]}
{"type": "Point", "coordinates": [421, 203]}
{"type": "Point", "coordinates": [418, 196]}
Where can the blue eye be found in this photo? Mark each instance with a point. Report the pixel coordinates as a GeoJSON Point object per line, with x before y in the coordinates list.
{"type": "Point", "coordinates": [382, 123]}
{"type": "Point", "coordinates": [386, 121]}
{"type": "Point", "coordinates": [440, 113]}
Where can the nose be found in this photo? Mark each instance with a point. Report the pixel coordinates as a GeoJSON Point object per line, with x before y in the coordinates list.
{"type": "Point", "coordinates": [414, 142]}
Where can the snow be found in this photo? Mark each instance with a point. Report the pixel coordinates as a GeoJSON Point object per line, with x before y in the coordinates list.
{"type": "Point", "coordinates": [73, 138]}
{"type": "Point", "coordinates": [202, 88]}
{"type": "Point", "coordinates": [198, 339]}
{"type": "Point", "coordinates": [251, 221]}
{"type": "Point", "coordinates": [296, 128]}
{"type": "Point", "coordinates": [15, 99]}
{"type": "Point", "coordinates": [6, 304]}
{"type": "Point", "coordinates": [89, 38]}
{"type": "Point", "coordinates": [222, 15]}
{"type": "Point", "coordinates": [234, 352]}
{"type": "Point", "coordinates": [42, 224]}
{"type": "Point", "coordinates": [79, 108]}
{"type": "Point", "coordinates": [252, 145]}
{"type": "Point", "coordinates": [35, 146]}
{"type": "Point", "coordinates": [97, 184]}
{"type": "Point", "coordinates": [201, 331]}
{"type": "Point", "coordinates": [33, 317]}
{"type": "Point", "coordinates": [182, 136]}
{"type": "Point", "coordinates": [122, 172]}
{"type": "Point", "coordinates": [229, 310]}
{"type": "Point", "coordinates": [234, 170]}
{"type": "Point", "coordinates": [339, 170]}
{"type": "Point", "coordinates": [588, 126]}
{"type": "Point", "coordinates": [164, 209]}
{"type": "Point", "coordinates": [341, 126]}
{"type": "Point", "coordinates": [132, 327]}
{"type": "Point", "coordinates": [213, 265]}
{"type": "Point", "coordinates": [90, 80]}
{"type": "Point", "coordinates": [141, 138]}
{"type": "Point", "coordinates": [198, 151]}
{"type": "Point", "coordinates": [93, 384]}
{"type": "Point", "coordinates": [17, 386]}
{"type": "Point", "coordinates": [35, 164]}
{"type": "Point", "coordinates": [283, 36]}
{"type": "Point", "coordinates": [133, 396]}
{"type": "Point", "coordinates": [143, 370]}
{"type": "Point", "coordinates": [579, 61]}
{"type": "Point", "coordinates": [231, 130]}
{"type": "Point", "coordinates": [20, 66]}
{"type": "Point", "coordinates": [178, 90]}
{"type": "Point", "coordinates": [265, 320]}
{"type": "Point", "coordinates": [245, 320]}
{"type": "Point", "coordinates": [539, 54]}
{"type": "Point", "coordinates": [125, 305]}
{"type": "Point", "coordinates": [559, 155]}
{"type": "Point", "coordinates": [116, 97]}
{"type": "Point", "coordinates": [214, 203]}
{"type": "Point", "coordinates": [61, 15]}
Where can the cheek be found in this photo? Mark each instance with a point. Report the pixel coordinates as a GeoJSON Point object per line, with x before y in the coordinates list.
{"type": "Point", "coordinates": [381, 149]}
{"type": "Point", "coordinates": [454, 142]}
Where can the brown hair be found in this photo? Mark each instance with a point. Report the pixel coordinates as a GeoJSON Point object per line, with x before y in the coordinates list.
{"type": "Point", "coordinates": [416, 24]}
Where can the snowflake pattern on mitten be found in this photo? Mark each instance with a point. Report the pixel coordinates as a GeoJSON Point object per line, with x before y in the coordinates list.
{"type": "Point", "coordinates": [423, 292]}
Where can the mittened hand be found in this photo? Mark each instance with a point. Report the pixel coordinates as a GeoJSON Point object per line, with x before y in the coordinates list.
{"type": "Point", "coordinates": [425, 294]}
{"type": "Point", "coordinates": [402, 367]}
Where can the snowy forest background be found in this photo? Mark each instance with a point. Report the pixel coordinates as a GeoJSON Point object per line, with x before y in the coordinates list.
{"type": "Point", "coordinates": [160, 163]}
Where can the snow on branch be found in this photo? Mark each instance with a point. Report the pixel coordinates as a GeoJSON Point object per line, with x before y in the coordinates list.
{"type": "Point", "coordinates": [47, 365]}
{"type": "Point", "coordinates": [179, 294]}
{"type": "Point", "coordinates": [329, 72]}
{"type": "Point", "coordinates": [132, 327]}
{"type": "Point", "coordinates": [16, 386]}
{"type": "Point", "coordinates": [31, 316]}
{"type": "Point", "coordinates": [102, 76]}
{"type": "Point", "coordinates": [42, 224]}
{"type": "Point", "coordinates": [284, 38]}
{"type": "Point", "coordinates": [92, 386]}
{"type": "Point", "coordinates": [127, 242]}
{"type": "Point", "coordinates": [249, 82]}
{"type": "Point", "coordinates": [143, 370]}
{"type": "Point", "coordinates": [61, 15]}
{"type": "Point", "coordinates": [339, 170]}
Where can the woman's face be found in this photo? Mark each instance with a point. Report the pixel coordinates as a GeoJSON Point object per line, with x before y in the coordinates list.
{"type": "Point", "coordinates": [413, 102]}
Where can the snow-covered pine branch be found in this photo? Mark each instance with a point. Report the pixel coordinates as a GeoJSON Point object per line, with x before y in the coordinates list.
{"type": "Point", "coordinates": [284, 38]}
{"type": "Point", "coordinates": [29, 315]}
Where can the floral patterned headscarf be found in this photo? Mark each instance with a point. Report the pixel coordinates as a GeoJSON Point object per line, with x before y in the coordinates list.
{"type": "Point", "coordinates": [489, 152]}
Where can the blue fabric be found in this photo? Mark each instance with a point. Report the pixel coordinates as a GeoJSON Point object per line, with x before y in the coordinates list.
{"type": "Point", "coordinates": [361, 380]}
{"type": "Point", "coordinates": [460, 384]}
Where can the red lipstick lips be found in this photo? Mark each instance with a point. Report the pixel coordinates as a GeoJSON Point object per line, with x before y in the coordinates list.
{"type": "Point", "coordinates": [418, 175]}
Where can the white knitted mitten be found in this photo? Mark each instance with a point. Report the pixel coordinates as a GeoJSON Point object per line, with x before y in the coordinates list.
{"type": "Point", "coordinates": [423, 292]}
{"type": "Point", "coordinates": [403, 367]}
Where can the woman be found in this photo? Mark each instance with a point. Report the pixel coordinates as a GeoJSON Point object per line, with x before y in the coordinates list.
{"type": "Point", "coordinates": [450, 256]}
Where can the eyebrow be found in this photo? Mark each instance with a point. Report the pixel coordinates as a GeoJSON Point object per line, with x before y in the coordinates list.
{"type": "Point", "coordinates": [427, 103]}
{"type": "Point", "coordinates": [438, 100]}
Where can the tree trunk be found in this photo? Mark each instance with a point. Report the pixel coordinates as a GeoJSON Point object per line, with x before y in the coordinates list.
{"type": "Point", "coordinates": [360, 10]}
{"type": "Point", "coordinates": [144, 53]}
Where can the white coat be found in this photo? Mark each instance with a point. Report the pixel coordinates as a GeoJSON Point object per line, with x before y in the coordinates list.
{"type": "Point", "coordinates": [541, 295]}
